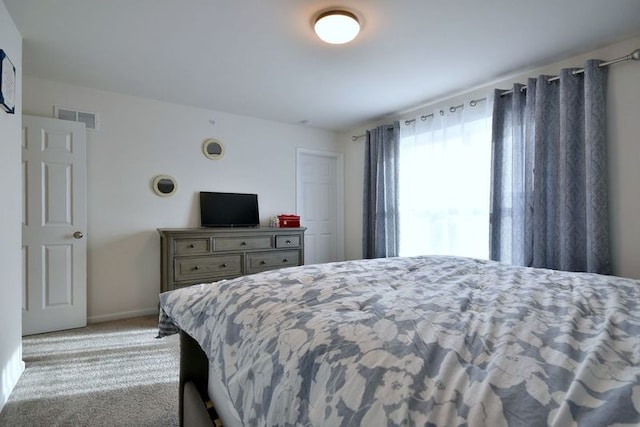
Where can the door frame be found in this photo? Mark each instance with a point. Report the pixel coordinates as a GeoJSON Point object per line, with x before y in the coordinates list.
{"type": "Point", "coordinates": [339, 159]}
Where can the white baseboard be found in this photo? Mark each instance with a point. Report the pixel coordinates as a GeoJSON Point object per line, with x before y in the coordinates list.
{"type": "Point", "coordinates": [122, 315]}
{"type": "Point", "coordinates": [10, 375]}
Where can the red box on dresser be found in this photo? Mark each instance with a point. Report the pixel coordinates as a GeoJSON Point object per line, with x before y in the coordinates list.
{"type": "Point", "coordinates": [288, 221]}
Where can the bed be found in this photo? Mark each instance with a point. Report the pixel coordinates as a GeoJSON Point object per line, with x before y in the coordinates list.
{"type": "Point", "coordinates": [432, 340]}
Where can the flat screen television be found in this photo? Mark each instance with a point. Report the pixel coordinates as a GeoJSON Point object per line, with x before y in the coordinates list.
{"type": "Point", "coordinates": [228, 209]}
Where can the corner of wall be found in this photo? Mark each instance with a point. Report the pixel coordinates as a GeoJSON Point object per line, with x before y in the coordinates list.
{"type": "Point", "coordinates": [11, 365]}
{"type": "Point", "coordinates": [11, 372]}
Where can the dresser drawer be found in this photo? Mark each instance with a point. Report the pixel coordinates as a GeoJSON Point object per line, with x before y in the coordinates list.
{"type": "Point", "coordinates": [216, 267]}
{"type": "Point", "coordinates": [269, 260]}
{"type": "Point", "coordinates": [192, 246]}
{"type": "Point", "coordinates": [241, 243]}
{"type": "Point", "coordinates": [287, 241]}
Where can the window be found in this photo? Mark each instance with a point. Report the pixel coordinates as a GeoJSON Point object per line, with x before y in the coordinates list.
{"type": "Point", "coordinates": [444, 183]}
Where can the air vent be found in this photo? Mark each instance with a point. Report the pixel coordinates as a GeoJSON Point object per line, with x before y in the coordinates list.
{"type": "Point", "coordinates": [89, 119]}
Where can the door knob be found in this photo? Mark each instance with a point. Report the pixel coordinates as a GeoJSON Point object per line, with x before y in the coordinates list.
{"type": "Point", "coordinates": [78, 235]}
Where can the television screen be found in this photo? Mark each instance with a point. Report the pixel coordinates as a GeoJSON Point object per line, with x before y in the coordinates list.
{"type": "Point", "coordinates": [228, 209]}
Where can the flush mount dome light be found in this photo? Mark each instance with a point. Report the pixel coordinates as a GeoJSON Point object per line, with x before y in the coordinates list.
{"type": "Point", "coordinates": [337, 26]}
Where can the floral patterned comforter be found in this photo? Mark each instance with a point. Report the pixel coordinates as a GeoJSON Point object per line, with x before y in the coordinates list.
{"type": "Point", "coordinates": [419, 341]}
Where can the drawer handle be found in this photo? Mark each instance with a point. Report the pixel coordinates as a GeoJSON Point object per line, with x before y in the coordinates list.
{"type": "Point", "coordinates": [262, 262]}
{"type": "Point", "coordinates": [224, 265]}
{"type": "Point", "coordinates": [285, 260]}
{"type": "Point", "coordinates": [288, 242]}
{"type": "Point", "coordinates": [191, 246]}
{"type": "Point", "coordinates": [243, 244]}
{"type": "Point", "coordinates": [196, 267]}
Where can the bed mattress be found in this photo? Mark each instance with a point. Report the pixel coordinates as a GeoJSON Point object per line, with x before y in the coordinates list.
{"type": "Point", "coordinates": [413, 341]}
{"type": "Point", "coordinates": [223, 405]}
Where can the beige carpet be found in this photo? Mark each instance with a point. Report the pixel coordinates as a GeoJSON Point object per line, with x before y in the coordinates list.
{"type": "Point", "coordinates": [107, 374]}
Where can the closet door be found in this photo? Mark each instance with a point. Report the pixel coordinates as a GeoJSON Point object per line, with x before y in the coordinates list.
{"type": "Point", "coordinates": [54, 223]}
{"type": "Point", "coordinates": [319, 195]}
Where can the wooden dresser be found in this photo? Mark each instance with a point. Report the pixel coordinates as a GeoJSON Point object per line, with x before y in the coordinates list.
{"type": "Point", "coordinates": [201, 255]}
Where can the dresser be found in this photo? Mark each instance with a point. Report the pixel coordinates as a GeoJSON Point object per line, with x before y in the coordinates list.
{"type": "Point", "coordinates": [200, 255]}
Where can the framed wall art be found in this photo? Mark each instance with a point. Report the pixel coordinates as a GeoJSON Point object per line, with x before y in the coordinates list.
{"type": "Point", "coordinates": [7, 83]}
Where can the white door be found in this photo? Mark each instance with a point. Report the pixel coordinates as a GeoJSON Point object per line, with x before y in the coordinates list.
{"type": "Point", "coordinates": [54, 222]}
{"type": "Point", "coordinates": [319, 202]}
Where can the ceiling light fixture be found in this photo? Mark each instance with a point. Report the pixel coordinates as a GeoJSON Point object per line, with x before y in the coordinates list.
{"type": "Point", "coordinates": [337, 26]}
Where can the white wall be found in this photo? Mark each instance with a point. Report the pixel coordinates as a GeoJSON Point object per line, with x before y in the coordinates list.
{"type": "Point", "coordinates": [11, 364]}
{"type": "Point", "coordinates": [141, 138]}
{"type": "Point", "coordinates": [353, 190]}
{"type": "Point", "coordinates": [624, 153]}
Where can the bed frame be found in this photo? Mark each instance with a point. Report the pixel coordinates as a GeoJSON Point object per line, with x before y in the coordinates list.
{"type": "Point", "coordinates": [196, 409]}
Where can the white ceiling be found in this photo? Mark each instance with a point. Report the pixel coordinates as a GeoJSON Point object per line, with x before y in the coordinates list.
{"type": "Point", "coordinates": [261, 58]}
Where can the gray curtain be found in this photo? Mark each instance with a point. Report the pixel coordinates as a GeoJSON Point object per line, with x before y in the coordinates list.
{"type": "Point", "coordinates": [549, 189]}
{"type": "Point", "coordinates": [380, 211]}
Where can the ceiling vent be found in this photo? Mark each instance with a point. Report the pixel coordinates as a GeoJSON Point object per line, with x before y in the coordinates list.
{"type": "Point", "coordinates": [89, 119]}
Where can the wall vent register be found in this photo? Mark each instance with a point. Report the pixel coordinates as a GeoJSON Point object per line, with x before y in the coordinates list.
{"type": "Point", "coordinates": [89, 119]}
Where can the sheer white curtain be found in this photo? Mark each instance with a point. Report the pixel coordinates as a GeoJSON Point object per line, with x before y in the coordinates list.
{"type": "Point", "coordinates": [444, 182]}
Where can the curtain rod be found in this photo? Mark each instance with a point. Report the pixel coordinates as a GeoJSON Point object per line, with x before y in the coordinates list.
{"type": "Point", "coordinates": [633, 56]}
{"type": "Point", "coordinates": [453, 109]}
{"type": "Point", "coordinates": [355, 137]}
